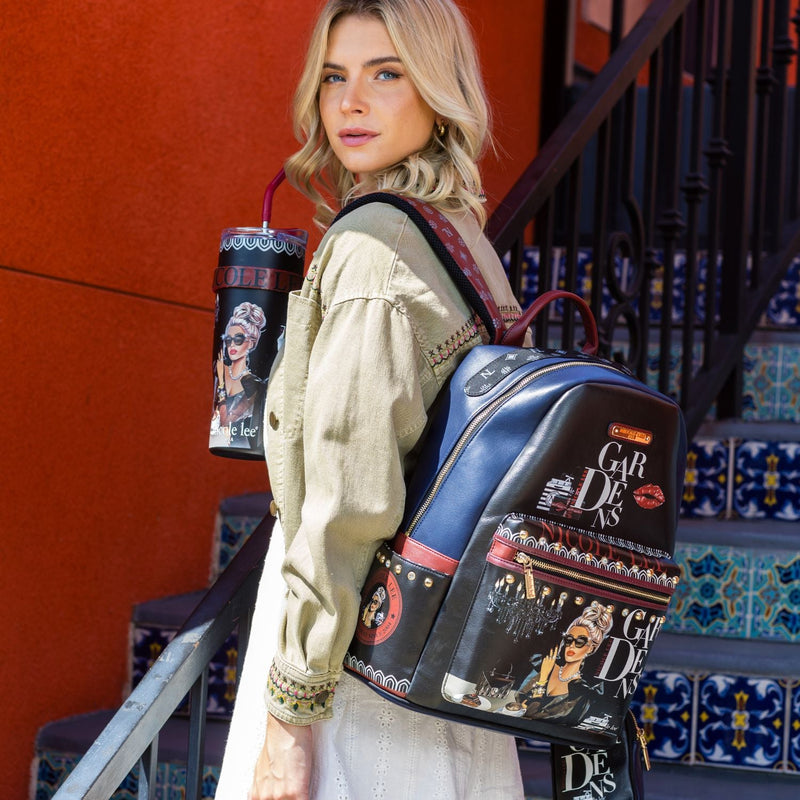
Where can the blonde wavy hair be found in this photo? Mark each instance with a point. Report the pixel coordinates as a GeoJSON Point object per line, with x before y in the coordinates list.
{"type": "Point", "coordinates": [435, 44]}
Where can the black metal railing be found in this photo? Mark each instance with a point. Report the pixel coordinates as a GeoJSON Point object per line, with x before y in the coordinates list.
{"type": "Point", "coordinates": [652, 162]}
{"type": "Point", "coordinates": [130, 739]}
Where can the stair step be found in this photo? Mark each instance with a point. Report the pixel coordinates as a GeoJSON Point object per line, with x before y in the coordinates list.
{"type": "Point", "coordinates": [772, 430]}
{"type": "Point", "coordinates": [60, 745]}
{"type": "Point", "coordinates": [154, 625]}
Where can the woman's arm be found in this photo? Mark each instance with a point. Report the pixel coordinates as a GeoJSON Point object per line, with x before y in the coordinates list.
{"type": "Point", "coordinates": [363, 412]}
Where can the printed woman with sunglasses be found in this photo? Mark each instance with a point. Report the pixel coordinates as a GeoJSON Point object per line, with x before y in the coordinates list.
{"type": "Point", "coordinates": [556, 689]}
{"type": "Point", "coordinates": [236, 388]}
{"type": "Point", "coordinates": [390, 100]}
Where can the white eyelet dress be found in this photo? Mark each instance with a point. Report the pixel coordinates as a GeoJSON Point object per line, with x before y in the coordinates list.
{"type": "Point", "coordinates": [372, 749]}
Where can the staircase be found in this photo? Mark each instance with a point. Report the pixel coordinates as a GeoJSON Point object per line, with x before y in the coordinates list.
{"type": "Point", "coordinates": [720, 701]}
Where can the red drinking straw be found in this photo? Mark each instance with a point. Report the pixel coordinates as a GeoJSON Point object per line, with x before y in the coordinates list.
{"type": "Point", "coordinates": [266, 208]}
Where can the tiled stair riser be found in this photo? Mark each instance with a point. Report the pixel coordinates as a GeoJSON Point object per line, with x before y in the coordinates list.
{"type": "Point", "coordinates": [721, 720]}
{"type": "Point", "coordinates": [771, 379]}
{"type": "Point", "coordinates": [783, 310]}
{"type": "Point", "coordinates": [771, 369]}
{"type": "Point", "coordinates": [53, 769]}
{"type": "Point", "coordinates": [150, 640]}
{"type": "Point", "coordinates": [747, 479]}
{"type": "Point", "coordinates": [231, 533]}
{"type": "Point", "coordinates": [737, 593]}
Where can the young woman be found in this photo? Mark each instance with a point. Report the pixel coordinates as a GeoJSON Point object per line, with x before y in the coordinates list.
{"type": "Point", "coordinates": [391, 99]}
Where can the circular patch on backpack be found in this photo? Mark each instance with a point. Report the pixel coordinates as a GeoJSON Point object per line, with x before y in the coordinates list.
{"type": "Point", "coordinates": [381, 608]}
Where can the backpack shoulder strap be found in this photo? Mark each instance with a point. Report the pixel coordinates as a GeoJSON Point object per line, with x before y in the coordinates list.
{"type": "Point", "coordinates": [451, 250]}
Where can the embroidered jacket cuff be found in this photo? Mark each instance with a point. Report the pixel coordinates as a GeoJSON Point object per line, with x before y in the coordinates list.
{"type": "Point", "coordinates": [297, 698]}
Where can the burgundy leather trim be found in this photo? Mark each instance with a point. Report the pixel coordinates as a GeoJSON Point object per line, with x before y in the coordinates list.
{"type": "Point", "coordinates": [423, 555]}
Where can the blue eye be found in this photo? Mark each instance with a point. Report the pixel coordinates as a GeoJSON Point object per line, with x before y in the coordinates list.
{"type": "Point", "coordinates": [333, 78]}
{"type": "Point", "coordinates": [387, 75]}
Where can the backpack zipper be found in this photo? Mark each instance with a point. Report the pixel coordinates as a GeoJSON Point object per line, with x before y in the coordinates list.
{"type": "Point", "coordinates": [529, 563]}
{"type": "Point", "coordinates": [642, 737]}
{"type": "Point", "coordinates": [477, 421]}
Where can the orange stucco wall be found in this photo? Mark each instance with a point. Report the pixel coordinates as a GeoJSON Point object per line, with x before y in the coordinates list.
{"type": "Point", "coordinates": [132, 134]}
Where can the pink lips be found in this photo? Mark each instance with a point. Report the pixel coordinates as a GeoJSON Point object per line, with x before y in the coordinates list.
{"type": "Point", "coordinates": [354, 137]}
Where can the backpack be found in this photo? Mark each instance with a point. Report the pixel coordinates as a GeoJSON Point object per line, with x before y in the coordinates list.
{"type": "Point", "coordinates": [533, 568]}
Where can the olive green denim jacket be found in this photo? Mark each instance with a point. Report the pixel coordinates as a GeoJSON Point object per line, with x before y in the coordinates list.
{"type": "Point", "coordinates": [371, 337]}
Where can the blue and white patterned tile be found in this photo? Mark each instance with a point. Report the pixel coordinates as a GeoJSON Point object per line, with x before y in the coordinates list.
{"type": "Point", "coordinates": [662, 706]}
{"type": "Point", "coordinates": [706, 481]}
{"type": "Point", "coordinates": [149, 641]}
{"type": "Point", "coordinates": [674, 369]}
{"type": "Point", "coordinates": [767, 480]}
{"type": "Point", "coordinates": [678, 289]}
{"type": "Point", "coordinates": [705, 283]}
{"type": "Point", "coordinates": [173, 787]}
{"type": "Point", "coordinates": [233, 532]}
{"type": "Point", "coordinates": [784, 308]}
{"type": "Point", "coordinates": [583, 271]}
{"type": "Point", "coordinates": [680, 276]}
{"type": "Point", "coordinates": [222, 678]}
{"type": "Point", "coordinates": [52, 770]}
{"type": "Point", "coordinates": [741, 721]}
{"type": "Point", "coordinates": [776, 596]}
{"type": "Point", "coordinates": [788, 384]}
{"type": "Point", "coordinates": [712, 597]}
{"type": "Point", "coordinates": [530, 275]}
{"type": "Point", "coordinates": [760, 382]}
{"type": "Point", "coordinates": [793, 748]}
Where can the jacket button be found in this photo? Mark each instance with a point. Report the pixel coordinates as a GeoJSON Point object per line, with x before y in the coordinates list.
{"type": "Point", "coordinates": [273, 421]}
{"type": "Point", "coordinates": [273, 508]}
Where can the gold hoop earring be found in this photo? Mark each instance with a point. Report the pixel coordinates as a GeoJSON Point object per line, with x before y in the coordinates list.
{"type": "Point", "coordinates": [441, 129]}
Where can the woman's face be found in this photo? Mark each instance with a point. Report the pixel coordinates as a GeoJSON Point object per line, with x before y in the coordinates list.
{"type": "Point", "coordinates": [237, 342]}
{"type": "Point", "coordinates": [577, 644]}
{"type": "Point", "coordinates": [372, 114]}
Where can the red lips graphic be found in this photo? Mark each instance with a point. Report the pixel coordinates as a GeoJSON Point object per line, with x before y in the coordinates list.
{"type": "Point", "coordinates": [649, 496]}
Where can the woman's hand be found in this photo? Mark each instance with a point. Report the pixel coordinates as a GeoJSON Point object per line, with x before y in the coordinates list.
{"type": "Point", "coordinates": [283, 769]}
{"type": "Point", "coordinates": [548, 662]}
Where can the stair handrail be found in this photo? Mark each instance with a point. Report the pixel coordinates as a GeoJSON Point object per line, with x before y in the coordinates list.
{"type": "Point", "coordinates": [131, 736]}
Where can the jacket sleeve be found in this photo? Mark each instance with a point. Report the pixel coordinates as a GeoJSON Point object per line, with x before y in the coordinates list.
{"type": "Point", "coordinates": [364, 411]}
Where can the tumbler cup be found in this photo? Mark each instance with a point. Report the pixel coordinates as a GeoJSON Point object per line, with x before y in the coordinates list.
{"type": "Point", "coordinates": [257, 269]}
